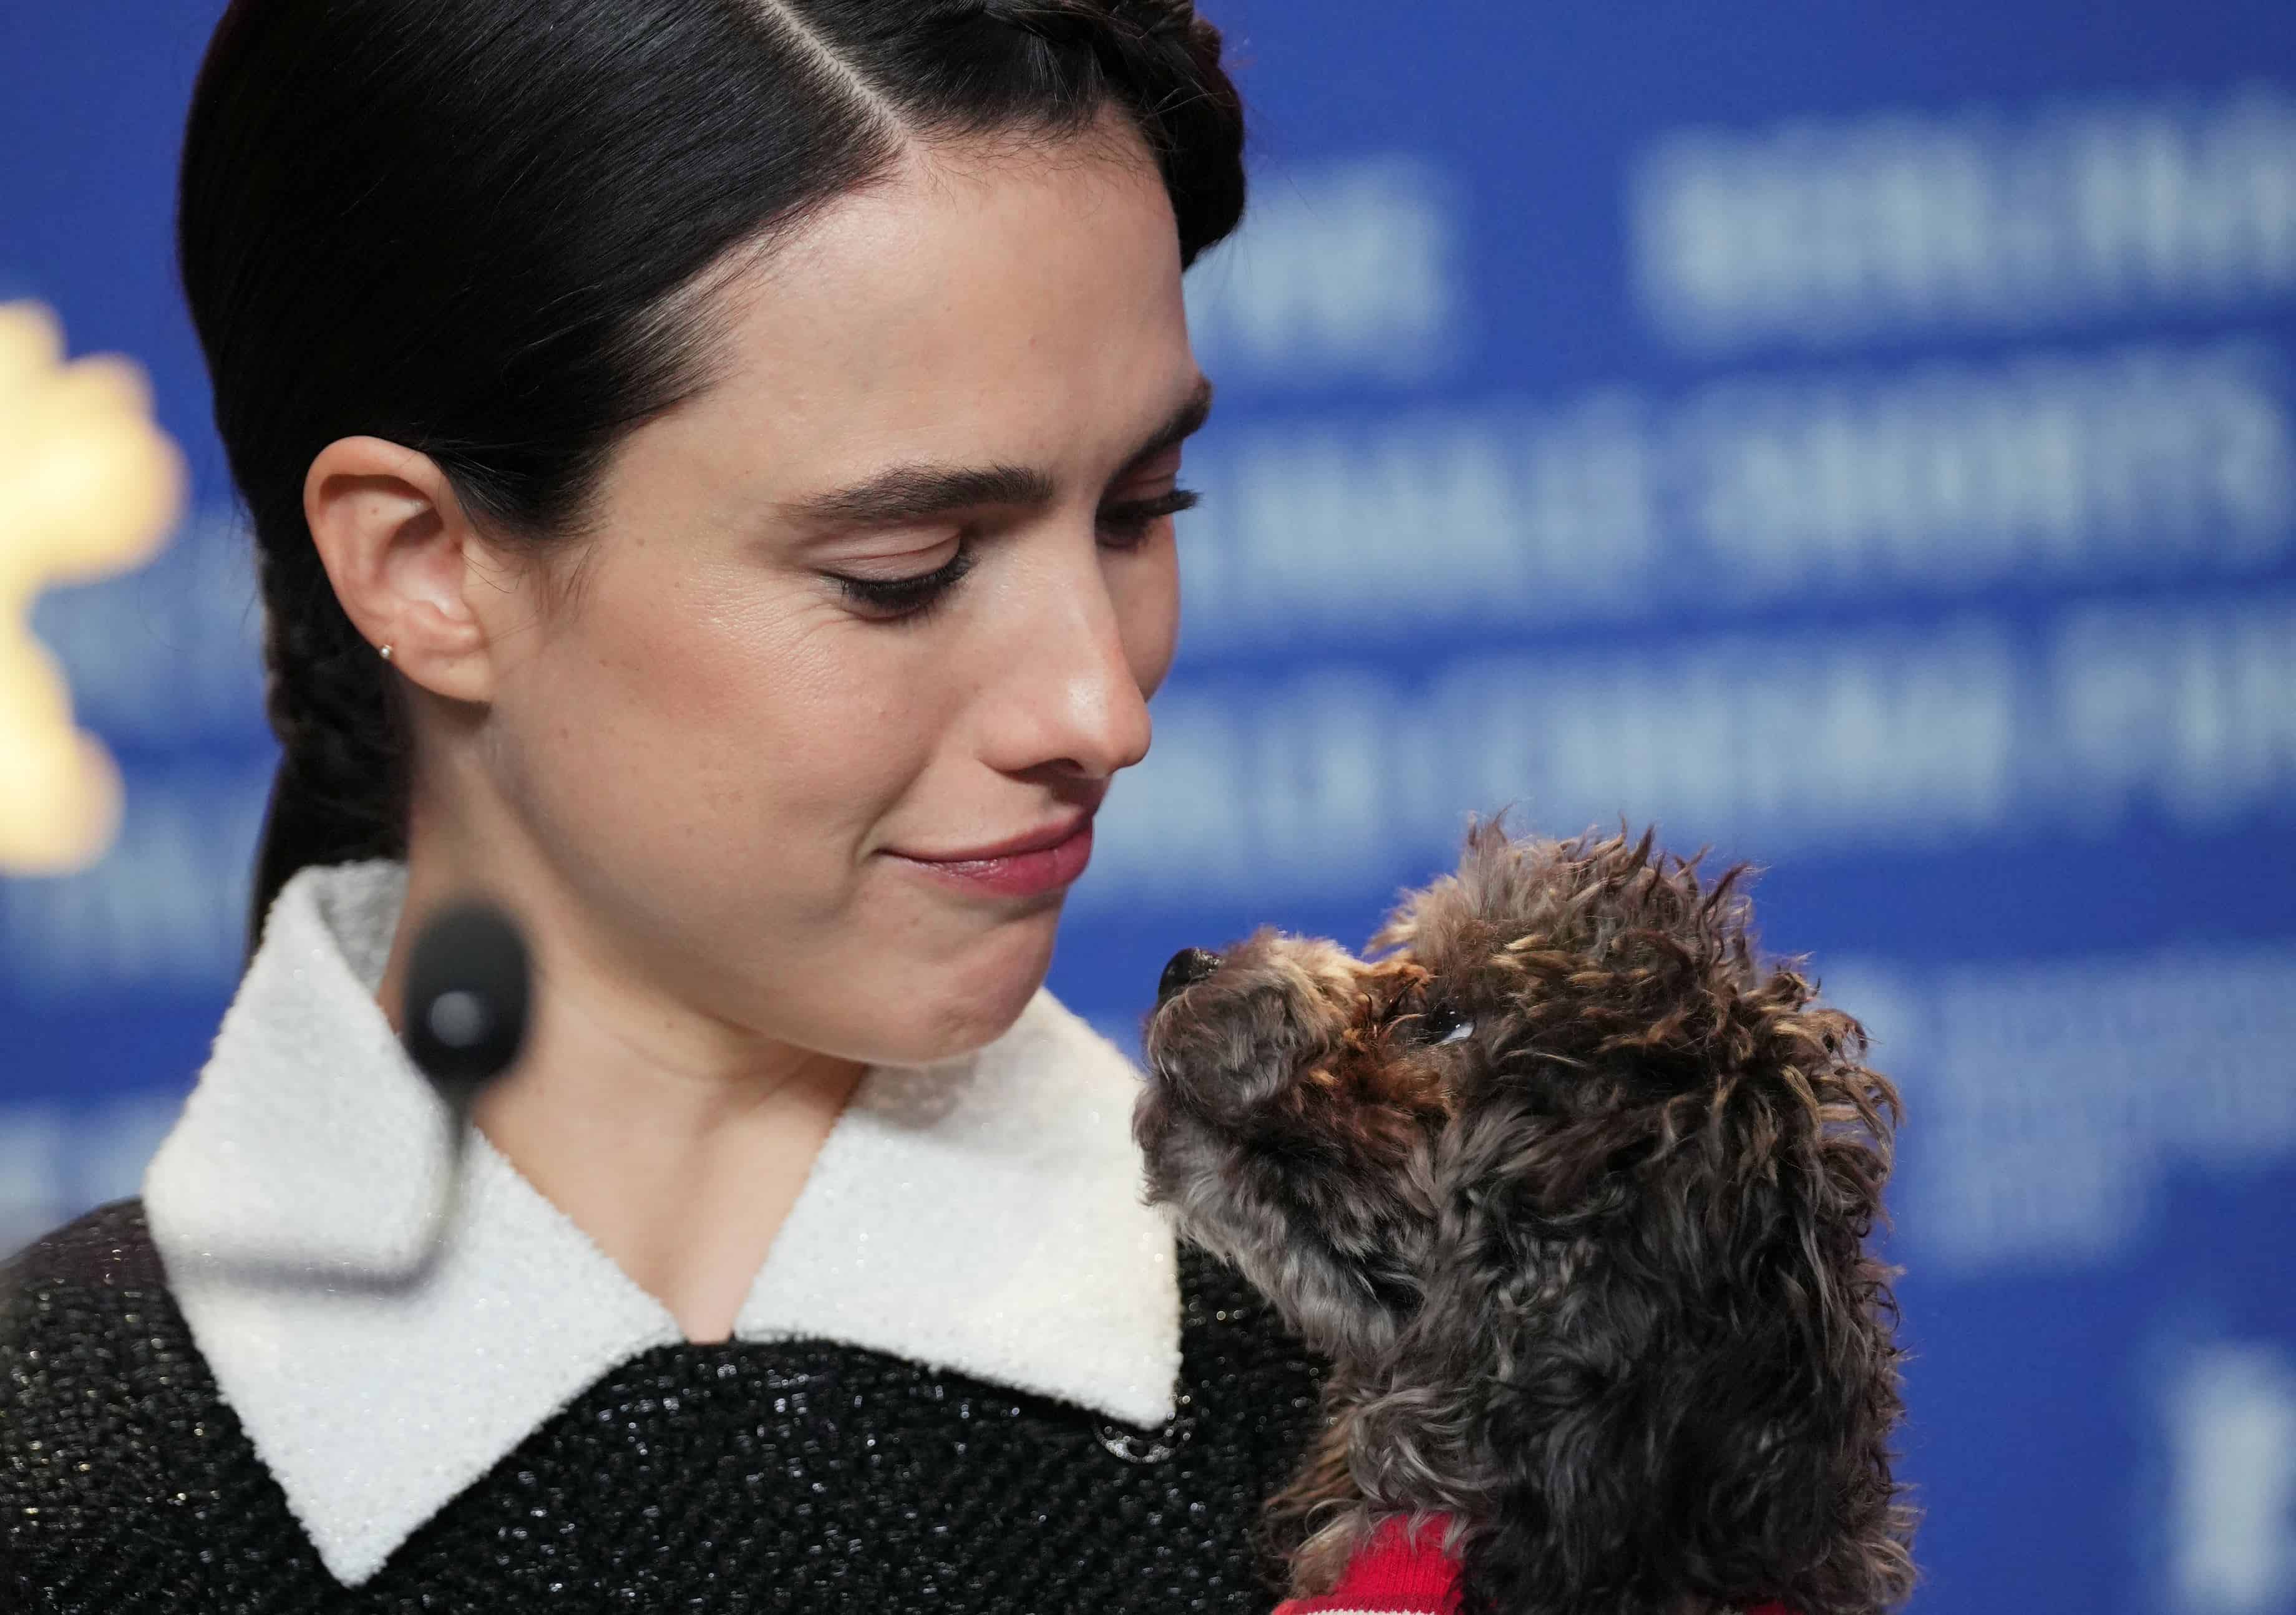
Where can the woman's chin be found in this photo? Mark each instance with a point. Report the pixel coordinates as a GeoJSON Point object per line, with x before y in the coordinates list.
{"type": "Point", "coordinates": [969, 1001]}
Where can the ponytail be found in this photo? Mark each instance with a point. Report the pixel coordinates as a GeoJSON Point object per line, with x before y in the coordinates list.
{"type": "Point", "coordinates": [340, 793]}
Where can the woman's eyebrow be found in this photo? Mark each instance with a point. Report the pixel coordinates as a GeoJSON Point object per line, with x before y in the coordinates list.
{"type": "Point", "coordinates": [903, 494]}
{"type": "Point", "coordinates": [1178, 427]}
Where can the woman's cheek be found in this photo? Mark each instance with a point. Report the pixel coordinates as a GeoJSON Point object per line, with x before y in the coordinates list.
{"type": "Point", "coordinates": [842, 722]}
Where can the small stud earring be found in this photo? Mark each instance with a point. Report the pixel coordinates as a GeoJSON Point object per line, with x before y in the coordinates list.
{"type": "Point", "coordinates": [386, 652]}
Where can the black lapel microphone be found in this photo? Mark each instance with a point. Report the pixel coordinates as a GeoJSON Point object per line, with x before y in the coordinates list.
{"type": "Point", "coordinates": [467, 985]}
{"type": "Point", "coordinates": [463, 1022]}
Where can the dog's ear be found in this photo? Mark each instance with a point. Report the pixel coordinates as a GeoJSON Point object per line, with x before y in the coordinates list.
{"type": "Point", "coordinates": [1652, 1331]}
{"type": "Point", "coordinates": [1703, 1404]}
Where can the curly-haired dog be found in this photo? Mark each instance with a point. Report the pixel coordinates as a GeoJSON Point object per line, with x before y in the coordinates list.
{"type": "Point", "coordinates": [1575, 1194]}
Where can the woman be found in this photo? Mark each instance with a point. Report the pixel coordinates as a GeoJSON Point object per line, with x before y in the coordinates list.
{"type": "Point", "coordinates": [712, 463]}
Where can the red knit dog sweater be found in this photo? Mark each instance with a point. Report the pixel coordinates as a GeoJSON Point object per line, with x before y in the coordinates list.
{"type": "Point", "coordinates": [1397, 1573]}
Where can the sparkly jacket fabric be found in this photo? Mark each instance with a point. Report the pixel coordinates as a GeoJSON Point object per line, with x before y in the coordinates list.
{"type": "Point", "coordinates": [974, 1372]}
{"type": "Point", "coordinates": [796, 1475]}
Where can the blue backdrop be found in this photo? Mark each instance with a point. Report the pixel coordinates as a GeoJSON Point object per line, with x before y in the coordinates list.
{"type": "Point", "coordinates": [1859, 437]}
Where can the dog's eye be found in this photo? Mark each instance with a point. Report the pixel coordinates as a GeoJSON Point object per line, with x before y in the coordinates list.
{"type": "Point", "coordinates": [1443, 1025]}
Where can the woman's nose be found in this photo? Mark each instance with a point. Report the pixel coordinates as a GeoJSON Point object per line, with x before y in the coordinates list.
{"type": "Point", "coordinates": [1071, 696]}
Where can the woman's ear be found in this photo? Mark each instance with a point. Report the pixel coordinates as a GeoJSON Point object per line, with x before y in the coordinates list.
{"type": "Point", "coordinates": [410, 570]}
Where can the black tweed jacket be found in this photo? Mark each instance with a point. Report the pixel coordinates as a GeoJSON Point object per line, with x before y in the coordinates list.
{"type": "Point", "coordinates": [797, 1475]}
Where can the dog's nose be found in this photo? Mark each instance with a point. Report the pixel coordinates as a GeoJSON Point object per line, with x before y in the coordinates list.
{"type": "Point", "coordinates": [1189, 966]}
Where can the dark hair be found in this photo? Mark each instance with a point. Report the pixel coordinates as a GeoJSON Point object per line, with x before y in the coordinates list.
{"type": "Point", "coordinates": [480, 230]}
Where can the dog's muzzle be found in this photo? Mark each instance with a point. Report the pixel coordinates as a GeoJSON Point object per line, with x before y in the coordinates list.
{"type": "Point", "coordinates": [1189, 966]}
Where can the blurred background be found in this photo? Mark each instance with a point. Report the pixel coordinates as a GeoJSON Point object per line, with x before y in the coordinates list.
{"type": "Point", "coordinates": [1861, 437]}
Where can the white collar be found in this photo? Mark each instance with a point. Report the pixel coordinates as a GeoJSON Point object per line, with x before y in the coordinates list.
{"type": "Point", "coordinates": [983, 1216]}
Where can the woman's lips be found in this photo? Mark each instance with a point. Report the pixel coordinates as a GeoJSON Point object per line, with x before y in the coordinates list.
{"type": "Point", "coordinates": [1028, 874]}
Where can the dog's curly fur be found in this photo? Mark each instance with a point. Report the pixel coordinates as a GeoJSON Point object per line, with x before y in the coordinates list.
{"type": "Point", "coordinates": [1575, 1192]}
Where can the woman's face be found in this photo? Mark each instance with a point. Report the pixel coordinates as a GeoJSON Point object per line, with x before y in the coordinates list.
{"type": "Point", "coordinates": [897, 589]}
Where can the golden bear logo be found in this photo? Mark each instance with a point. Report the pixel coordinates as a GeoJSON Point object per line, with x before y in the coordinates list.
{"type": "Point", "coordinates": [89, 486]}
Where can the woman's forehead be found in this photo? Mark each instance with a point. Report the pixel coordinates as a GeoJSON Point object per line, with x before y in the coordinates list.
{"type": "Point", "coordinates": [961, 307]}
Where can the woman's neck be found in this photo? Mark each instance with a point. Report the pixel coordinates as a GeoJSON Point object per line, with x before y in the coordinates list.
{"type": "Point", "coordinates": [677, 1143]}
{"type": "Point", "coordinates": [682, 1177]}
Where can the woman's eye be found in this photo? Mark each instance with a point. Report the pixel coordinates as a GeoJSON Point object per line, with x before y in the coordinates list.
{"type": "Point", "coordinates": [1125, 526]}
{"type": "Point", "coordinates": [906, 599]}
